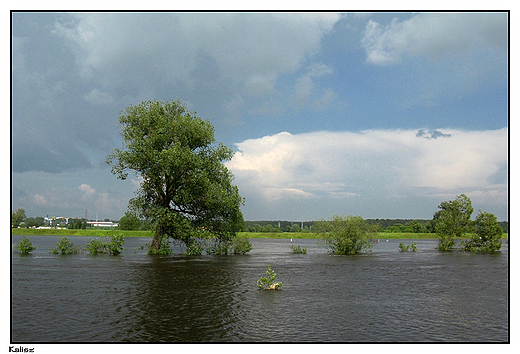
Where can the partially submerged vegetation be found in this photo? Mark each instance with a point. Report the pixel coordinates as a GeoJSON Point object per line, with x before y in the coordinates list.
{"type": "Point", "coordinates": [112, 244]}
{"type": "Point", "coordinates": [185, 185]}
{"type": "Point", "coordinates": [412, 247]}
{"type": "Point", "coordinates": [298, 249]}
{"type": "Point", "coordinates": [346, 234]}
{"type": "Point", "coordinates": [453, 220]}
{"type": "Point", "coordinates": [25, 246]}
{"type": "Point", "coordinates": [66, 246]}
{"type": "Point", "coordinates": [268, 282]}
{"type": "Point", "coordinates": [487, 234]}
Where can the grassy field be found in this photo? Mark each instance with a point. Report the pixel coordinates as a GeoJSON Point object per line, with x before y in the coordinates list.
{"type": "Point", "coordinates": [90, 232]}
{"type": "Point", "coordinates": [292, 235]}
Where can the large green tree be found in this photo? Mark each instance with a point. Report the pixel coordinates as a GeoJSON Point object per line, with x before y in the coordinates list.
{"type": "Point", "coordinates": [17, 217]}
{"type": "Point", "coordinates": [129, 221]}
{"type": "Point", "coordinates": [185, 187]}
{"type": "Point", "coordinates": [487, 234]}
{"type": "Point", "coordinates": [453, 220]}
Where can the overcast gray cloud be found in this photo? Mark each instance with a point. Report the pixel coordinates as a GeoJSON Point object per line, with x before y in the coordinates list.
{"type": "Point", "coordinates": [433, 35]}
{"type": "Point", "coordinates": [250, 50]}
{"type": "Point", "coordinates": [111, 60]}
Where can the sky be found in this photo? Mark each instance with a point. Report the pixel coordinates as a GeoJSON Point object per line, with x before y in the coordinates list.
{"type": "Point", "coordinates": [380, 114]}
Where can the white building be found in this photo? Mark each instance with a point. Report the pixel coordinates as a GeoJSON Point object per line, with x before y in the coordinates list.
{"type": "Point", "coordinates": [102, 223]}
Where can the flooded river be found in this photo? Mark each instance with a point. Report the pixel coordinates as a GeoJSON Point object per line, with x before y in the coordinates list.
{"type": "Point", "coordinates": [388, 296]}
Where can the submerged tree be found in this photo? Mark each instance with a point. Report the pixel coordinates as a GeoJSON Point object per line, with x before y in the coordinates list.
{"type": "Point", "coordinates": [452, 221]}
{"type": "Point", "coordinates": [487, 234]}
{"type": "Point", "coordinates": [185, 186]}
{"type": "Point", "coordinates": [346, 234]}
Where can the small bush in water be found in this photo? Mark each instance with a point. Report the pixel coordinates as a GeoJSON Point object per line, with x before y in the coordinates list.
{"type": "Point", "coordinates": [267, 283]}
{"type": "Point", "coordinates": [65, 246]}
{"type": "Point", "coordinates": [298, 249]}
{"type": "Point", "coordinates": [242, 245]}
{"type": "Point", "coordinates": [25, 246]}
{"type": "Point", "coordinates": [411, 247]}
{"type": "Point", "coordinates": [105, 245]}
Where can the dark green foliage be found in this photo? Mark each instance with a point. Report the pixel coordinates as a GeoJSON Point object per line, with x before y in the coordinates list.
{"type": "Point", "coordinates": [405, 248]}
{"type": "Point", "coordinates": [25, 246]}
{"type": "Point", "coordinates": [130, 221]}
{"type": "Point", "coordinates": [218, 247]}
{"type": "Point", "coordinates": [487, 234]}
{"type": "Point", "coordinates": [241, 245]}
{"type": "Point", "coordinates": [77, 224]}
{"type": "Point", "coordinates": [17, 217]}
{"type": "Point", "coordinates": [346, 235]}
{"type": "Point", "coordinates": [34, 222]}
{"type": "Point", "coordinates": [298, 249]}
{"type": "Point", "coordinates": [452, 221]}
{"type": "Point", "coordinates": [106, 245]}
{"type": "Point", "coordinates": [194, 248]}
{"type": "Point", "coordinates": [65, 246]}
{"type": "Point", "coordinates": [213, 246]}
{"type": "Point", "coordinates": [505, 226]}
{"type": "Point", "coordinates": [185, 185]}
{"type": "Point", "coordinates": [267, 282]}
{"type": "Point", "coordinates": [164, 248]}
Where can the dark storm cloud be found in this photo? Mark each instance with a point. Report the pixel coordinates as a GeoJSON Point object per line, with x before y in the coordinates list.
{"type": "Point", "coordinates": [431, 134]}
{"type": "Point", "coordinates": [59, 123]}
{"type": "Point", "coordinates": [32, 157]}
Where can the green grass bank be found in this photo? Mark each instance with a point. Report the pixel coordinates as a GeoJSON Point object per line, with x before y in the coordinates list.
{"type": "Point", "coordinates": [72, 232]}
{"type": "Point", "coordinates": [287, 235]}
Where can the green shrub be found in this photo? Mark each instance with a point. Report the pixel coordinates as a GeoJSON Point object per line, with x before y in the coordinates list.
{"type": "Point", "coordinates": [106, 245]}
{"type": "Point", "coordinates": [298, 249]}
{"type": "Point", "coordinates": [65, 246]}
{"type": "Point", "coordinates": [96, 246]}
{"type": "Point", "coordinates": [241, 245]}
{"type": "Point", "coordinates": [267, 283]}
{"type": "Point", "coordinates": [25, 246]}
{"type": "Point", "coordinates": [411, 247]}
{"type": "Point", "coordinates": [346, 235]}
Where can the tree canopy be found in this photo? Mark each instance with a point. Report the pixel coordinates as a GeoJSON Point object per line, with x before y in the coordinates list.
{"type": "Point", "coordinates": [452, 221]}
{"type": "Point", "coordinates": [487, 234]}
{"type": "Point", "coordinates": [345, 234]}
{"type": "Point", "coordinates": [17, 217]}
{"type": "Point", "coordinates": [185, 187]}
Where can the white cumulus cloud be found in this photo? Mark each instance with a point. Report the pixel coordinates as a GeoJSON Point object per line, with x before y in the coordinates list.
{"type": "Point", "coordinates": [371, 164]}
{"type": "Point", "coordinates": [87, 190]}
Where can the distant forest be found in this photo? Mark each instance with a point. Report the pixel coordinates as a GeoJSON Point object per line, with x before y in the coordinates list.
{"type": "Point", "coordinates": [382, 225]}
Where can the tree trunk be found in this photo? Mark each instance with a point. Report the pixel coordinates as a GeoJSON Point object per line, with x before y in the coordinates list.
{"type": "Point", "coordinates": [157, 239]}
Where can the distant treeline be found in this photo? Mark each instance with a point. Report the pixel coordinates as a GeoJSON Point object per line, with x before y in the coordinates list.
{"type": "Point", "coordinates": [381, 225]}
